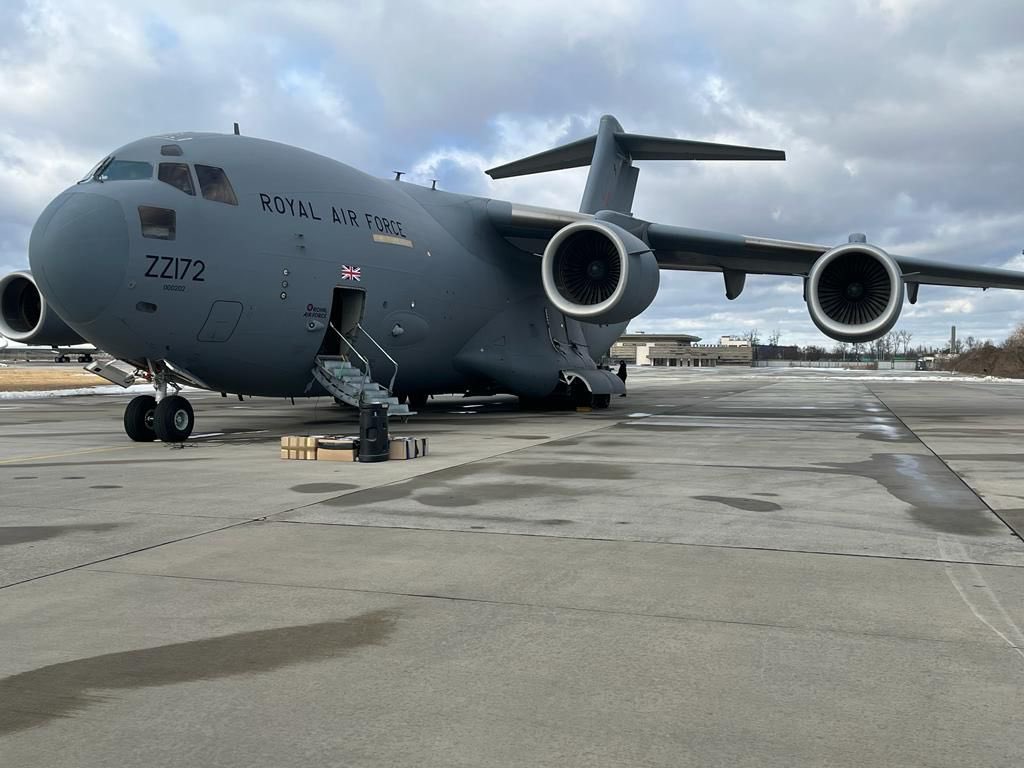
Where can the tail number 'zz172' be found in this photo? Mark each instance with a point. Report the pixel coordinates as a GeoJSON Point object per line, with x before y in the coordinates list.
{"type": "Point", "coordinates": [173, 268]}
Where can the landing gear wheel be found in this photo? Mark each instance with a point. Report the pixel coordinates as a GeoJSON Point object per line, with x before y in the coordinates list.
{"type": "Point", "coordinates": [138, 418]}
{"type": "Point", "coordinates": [174, 419]}
{"type": "Point", "coordinates": [602, 401]}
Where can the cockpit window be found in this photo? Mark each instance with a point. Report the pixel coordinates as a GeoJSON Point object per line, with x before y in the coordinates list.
{"type": "Point", "coordinates": [215, 185]}
{"type": "Point", "coordinates": [177, 175]}
{"type": "Point", "coordinates": [125, 170]}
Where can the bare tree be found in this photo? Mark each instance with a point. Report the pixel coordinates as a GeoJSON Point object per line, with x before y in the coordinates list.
{"type": "Point", "coordinates": [752, 337]}
{"type": "Point", "coordinates": [774, 337]}
{"type": "Point", "coordinates": [1016, 339]}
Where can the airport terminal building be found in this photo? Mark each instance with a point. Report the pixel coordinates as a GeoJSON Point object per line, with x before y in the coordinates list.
{"type": "Point", "coordinates": [680, 350]}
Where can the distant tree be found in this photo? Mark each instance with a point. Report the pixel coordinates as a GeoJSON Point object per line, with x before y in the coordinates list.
{"type": "Point", "coordinates": [774, 337]}
{"type": "Point", "coordinates": [1016, 339]}
{"type": "Point", "coordinates": [813, 352]}
{"type": "Point", "coordinates": [907, 336]}
{"type": "Point", "coordinates": [752, 337]}
{"type": "Point", "coordinates": [840, 349]}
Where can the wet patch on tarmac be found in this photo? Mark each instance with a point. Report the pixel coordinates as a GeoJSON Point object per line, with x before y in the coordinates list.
{"type": "Point", "coordinates": [73, 477]}
{"type": "Point", "coordinates": [25, 477]}
{"type": "Point", "coordinates": [741, 502]}
{"type": "Point", "coordinates": [566, 470]}
{"type": "Point", "coordinates": [104, 487]}
{"type": "Point", "coordinates": [462, 517]}
{"type": "Point", "coordinates": [1013, 517]}
{"type": "Point", "coordinates": [382, 493]}
{"type": "Point", "coordinates": [1010, 458]}
{"type": "Point", "coordinates": [64, 690]}
{"type": "Point", "coordinates": [22, 534]}
{"type": "Point", "coordinates": [461, 496]}
{"type": "Point", "coordinates": [888, 433]}
{"type": "Point", "coordinates": [937, 497]}
{"type": "Point", "coordinates": [765, 493]}
{"type": "Point", "coordinates": [323, 487]}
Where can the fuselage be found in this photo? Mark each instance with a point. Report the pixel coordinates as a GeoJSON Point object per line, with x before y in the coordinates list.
{"type": "Point", "coordinates": [236, 284]}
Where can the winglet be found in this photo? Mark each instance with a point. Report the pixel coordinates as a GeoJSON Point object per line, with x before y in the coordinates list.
{"type": "Point", "coordinates": [610, 152]}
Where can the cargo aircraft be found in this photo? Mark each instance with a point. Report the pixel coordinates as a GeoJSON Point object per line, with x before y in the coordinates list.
{"type": "Point", "coordinates": [245, 266]}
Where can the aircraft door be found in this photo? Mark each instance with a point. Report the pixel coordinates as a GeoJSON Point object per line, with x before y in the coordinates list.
{"type": "Point", "coordinates": [347, 306]}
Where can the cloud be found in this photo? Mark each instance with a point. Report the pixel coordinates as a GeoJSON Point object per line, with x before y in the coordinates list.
{"type": "Point", "coordinates": [901, 118]}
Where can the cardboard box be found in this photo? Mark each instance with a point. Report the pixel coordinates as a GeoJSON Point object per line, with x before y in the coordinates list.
{"type": "Point", "coordinates": [337, 449]}
{"type": "Point", "coordinates": [299, 447]}
{"type": "Point", "coordinates": [402, 448]}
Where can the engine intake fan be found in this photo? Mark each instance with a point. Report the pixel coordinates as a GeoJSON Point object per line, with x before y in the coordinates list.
{"type": "Point", "coordinates": [598, 272]}
{"type": "Point", "coordinates": [855, 292]}
{"type": "Point", "coordinates": [26, 317]}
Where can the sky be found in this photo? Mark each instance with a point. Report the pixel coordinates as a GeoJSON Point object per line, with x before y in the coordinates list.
{"type": "Point", "coordinates": [902, 119]}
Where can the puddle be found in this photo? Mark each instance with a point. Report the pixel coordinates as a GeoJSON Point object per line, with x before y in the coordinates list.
{"type": "Point", "coordinates": [323, 487]}
{"type": "Point", "coordinates": [64, 690]}
{"type": "Point", "coordinates": [741, 502]}
{"type": "Point", "coordinates": [22, 534]}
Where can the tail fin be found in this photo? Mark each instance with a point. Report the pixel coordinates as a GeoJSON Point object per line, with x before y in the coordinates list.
{"type": "Point", "coordinates": [610, 154]}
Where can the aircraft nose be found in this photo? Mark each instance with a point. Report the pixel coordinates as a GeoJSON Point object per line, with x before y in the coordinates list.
{"type": "Point", "coordinates": [79, 254]}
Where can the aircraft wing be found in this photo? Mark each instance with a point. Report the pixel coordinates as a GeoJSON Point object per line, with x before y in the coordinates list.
{"type": "Point", "coordinates": [694, 249]}
{"type": "Point", "coordinates": [683, 248]}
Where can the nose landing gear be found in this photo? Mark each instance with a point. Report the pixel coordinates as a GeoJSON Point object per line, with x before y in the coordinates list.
{"type": "Point", "coordinates": [167, 417]}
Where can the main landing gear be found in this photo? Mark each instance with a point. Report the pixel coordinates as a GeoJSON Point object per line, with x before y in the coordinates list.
{"type": "Point", "coordinates": [167, 417]}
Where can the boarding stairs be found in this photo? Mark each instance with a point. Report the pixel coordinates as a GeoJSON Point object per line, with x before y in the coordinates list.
{"type": "Point", "coordinates": [353, 385]}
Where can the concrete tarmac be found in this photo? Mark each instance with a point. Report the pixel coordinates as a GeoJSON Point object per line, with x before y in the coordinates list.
{"type": "Point", "coordinates": [735, 567]}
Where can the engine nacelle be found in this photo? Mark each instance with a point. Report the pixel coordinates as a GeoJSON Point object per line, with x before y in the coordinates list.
{"type": "Point", "coordinates": [855, 292]}
{"type": "Point", "coordinates": [26, 317]}
{"type": "Point", "coordinates": [598, 272]}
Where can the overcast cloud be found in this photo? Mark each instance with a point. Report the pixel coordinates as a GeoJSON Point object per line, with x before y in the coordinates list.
{"type": "Point", "coordinates": [901, 118]}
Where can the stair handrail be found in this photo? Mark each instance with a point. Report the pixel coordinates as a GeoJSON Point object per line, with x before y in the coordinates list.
{"type": "Point", "coordinates": [366, 372]}
{"type": "Point", "coordinates": [391, 384]}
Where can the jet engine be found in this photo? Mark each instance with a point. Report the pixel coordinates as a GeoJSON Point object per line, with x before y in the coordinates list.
{"type": "Point", "coordinates": [26, 317]}
{"type": "Point", "coordinates": [855, 292]}
{"type": "Point", "coordinates": [598, 272]}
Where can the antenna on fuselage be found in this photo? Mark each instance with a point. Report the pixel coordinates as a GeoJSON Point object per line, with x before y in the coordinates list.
{"type": "Point", "coordinates": [398, 175]}
{"type": "Point", "coordinates": [236, 130]}
{"type": "Point", "coordinates": [433, 183]}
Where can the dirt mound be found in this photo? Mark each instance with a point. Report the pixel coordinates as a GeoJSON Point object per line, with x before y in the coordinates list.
{"type": "Point", "coordinates": [1007, 362]}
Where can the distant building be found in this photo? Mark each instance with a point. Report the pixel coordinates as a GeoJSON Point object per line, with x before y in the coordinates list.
{"type": "Point", "coordinates": [733, 341]}
{"type": "Point", "coordinates": [678, 350]}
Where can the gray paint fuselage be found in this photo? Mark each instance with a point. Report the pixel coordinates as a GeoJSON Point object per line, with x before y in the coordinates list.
{"type": "Point", "coordinates": [437, 269]}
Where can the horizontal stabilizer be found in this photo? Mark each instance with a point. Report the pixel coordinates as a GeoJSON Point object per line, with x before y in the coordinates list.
{"type": "Point", "coordinates": [579, 153]}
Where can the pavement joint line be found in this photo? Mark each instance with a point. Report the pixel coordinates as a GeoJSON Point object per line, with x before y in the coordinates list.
{"type": "Point", "coordinates": [553, 607]}
{"type": "Point", "coordinates": [241, 518]}
{"type": "Point", "coordinates": [1000, 518]}
{"type": "Point", "coordinates": [18, 459]}
{"type": "Point", "coordinates": [647, 542]}
{"type": "Point", "coordinates": [123, 554]}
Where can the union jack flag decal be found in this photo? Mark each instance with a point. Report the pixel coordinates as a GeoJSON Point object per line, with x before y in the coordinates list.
{"type": "Point", "coordinates": [351, 273]}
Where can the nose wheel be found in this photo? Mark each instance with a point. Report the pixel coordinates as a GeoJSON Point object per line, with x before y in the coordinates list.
{"type": "Point", "coordinates": [171, 420]}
